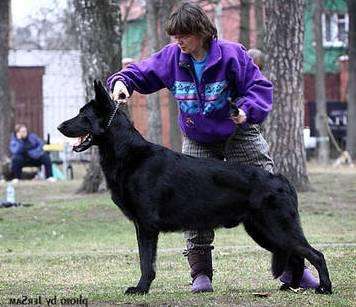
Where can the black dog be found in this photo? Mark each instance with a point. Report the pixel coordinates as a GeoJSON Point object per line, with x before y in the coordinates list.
{"type": "Point", "coordinates": [161, 190]}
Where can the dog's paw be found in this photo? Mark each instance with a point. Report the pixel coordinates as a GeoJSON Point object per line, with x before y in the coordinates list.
{"type": "Point", "coordinates": [136, 290]}
{"type": "Point", "coordinates": [323, 290]}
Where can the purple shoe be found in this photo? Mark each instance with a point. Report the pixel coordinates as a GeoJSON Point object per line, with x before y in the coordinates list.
{"type": "Point", "coordinates": [308, 280]}
{"type": "Point", "coordinates": [202, 284]}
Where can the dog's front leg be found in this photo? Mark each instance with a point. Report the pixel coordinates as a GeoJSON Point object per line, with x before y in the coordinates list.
{"type": "Point", "coordinates": [147, 246]}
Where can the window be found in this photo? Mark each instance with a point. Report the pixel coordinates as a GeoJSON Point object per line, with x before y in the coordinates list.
{"type": "Point", "coordinates": [335, 29]}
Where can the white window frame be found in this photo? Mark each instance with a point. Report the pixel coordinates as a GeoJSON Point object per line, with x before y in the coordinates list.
{"type": "Point", "coordinates": [334, 42]}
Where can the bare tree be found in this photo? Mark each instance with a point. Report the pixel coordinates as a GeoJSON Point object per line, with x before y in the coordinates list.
{"type": "Point", "coordinates": [217, 16]}
{"type": "Point", "coordinates": [245, 23]}
{"type": "Point", "coordinates": [284, 45]}
{"type": "Point", "coordinates": [321, 118]}
{"type": "Point", "coordinates": [100, 43]}
{"type": "Point", "coordinates": [260, 26]}
{"type": "Point", "coordinates": [51, 28]}
{"type": "Point", "coordinates": [153, 102]}
{"type": "Point", "coordinates": [175, 138]}
{"type": "Point", "coordinates": [6, 108]}
{"type": "Point", "coordinates": [125, 17]}
{"type": "Point", "coordinates": [351, 98]}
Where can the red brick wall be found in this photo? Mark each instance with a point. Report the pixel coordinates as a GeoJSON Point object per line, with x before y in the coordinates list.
{"type": "Point", "coordinates": [139, 114]}
{"type": "Point", "coordinates": [230, 24]}
{"type": "Point", "coordinates": [332, 86]}
{"type": "Point", "coordinates": [344, 78]}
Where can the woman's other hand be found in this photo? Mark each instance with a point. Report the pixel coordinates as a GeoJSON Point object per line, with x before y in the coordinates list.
{"type": "Point", "coordinates": [240, 118]}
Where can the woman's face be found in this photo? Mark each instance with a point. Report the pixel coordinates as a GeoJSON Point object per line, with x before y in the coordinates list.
{"type": "Point", "coordinates": [22, 132]}
{"type": "Point", "coordinates": [189, 43]}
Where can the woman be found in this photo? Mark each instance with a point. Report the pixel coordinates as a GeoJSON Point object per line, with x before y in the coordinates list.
{"type": "Point", "coordinates": [27, 150]}
{"type": "Point", "coordinates": [204, 74]}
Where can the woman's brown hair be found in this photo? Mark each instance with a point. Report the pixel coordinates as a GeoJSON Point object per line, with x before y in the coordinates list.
{"type": "Point", "coordinates": [190, 18]}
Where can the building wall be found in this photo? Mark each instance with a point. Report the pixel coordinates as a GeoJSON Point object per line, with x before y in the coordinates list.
{"type": "Point", "coordinates": [332, 87]}
{"type": "Point", "coordinates": [63, 88]}
{"type": "Point", "coordinates": [133, 36]}
{"type": "Point", "coordinates": [331, 54]}
{"type": "Point", "coordinates": [26, 90]}
{"type": "Point", "coordinates": [139, 114]}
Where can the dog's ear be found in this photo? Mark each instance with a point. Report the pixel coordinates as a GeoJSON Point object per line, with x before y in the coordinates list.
{"type": "Point", "coordinates": [101, 95]}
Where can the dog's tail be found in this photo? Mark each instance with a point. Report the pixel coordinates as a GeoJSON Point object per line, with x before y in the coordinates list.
{"type": "Point", "coordinates": [279, 263]}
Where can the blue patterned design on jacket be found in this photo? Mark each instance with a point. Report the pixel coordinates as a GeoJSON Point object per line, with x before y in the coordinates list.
{"type": "Point", "coordinates": [186, 95]}
{"type": "Point", "coordinates": [214, 90]}
{"type": "Point", "coordinates": [216, 95]}
{"type": "Point", "coordinates": [184, 90]}
{"type": "Point", "coordinates": [189, 106]}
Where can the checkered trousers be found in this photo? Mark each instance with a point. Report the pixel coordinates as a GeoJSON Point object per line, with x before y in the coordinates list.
{"type": "Point", "coordinates": [247, 146]}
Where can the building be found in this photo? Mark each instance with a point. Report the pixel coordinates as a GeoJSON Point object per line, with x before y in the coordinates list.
{"type": "Point", "coordinates": [47, 88]}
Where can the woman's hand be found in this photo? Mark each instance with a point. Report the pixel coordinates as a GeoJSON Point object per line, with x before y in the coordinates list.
{"type": "Point", "coordinates": [239, 119]}
{"type": "Point", "coordinates": [21, 135]}
{"type": "Point", "coordinates": [120, 91]}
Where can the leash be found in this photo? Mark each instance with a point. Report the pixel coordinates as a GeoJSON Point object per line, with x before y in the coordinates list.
{"type": "Point", "coordinates": [117, 105]}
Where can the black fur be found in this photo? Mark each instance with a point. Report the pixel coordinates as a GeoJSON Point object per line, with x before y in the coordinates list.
{"type": "Point", "coordinates": [161, 190]}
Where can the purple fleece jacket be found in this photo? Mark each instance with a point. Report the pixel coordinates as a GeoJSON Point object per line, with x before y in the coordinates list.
{"type": "Point", "coordinates": [204, 108]}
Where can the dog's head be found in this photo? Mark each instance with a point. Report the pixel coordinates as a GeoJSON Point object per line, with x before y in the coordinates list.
{"type": "Point", "coordinates": [92, 120]}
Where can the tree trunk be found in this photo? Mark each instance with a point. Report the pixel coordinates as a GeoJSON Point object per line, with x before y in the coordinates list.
{"type": "Point", "coordinates": [99, 25]}
{"type": "Point", "coordinates": [153, 101]}
{"type": "Point", "coordinates": [175, 138]}
{"type": "Point", "coordinates": [217, 18]}
{"type": "Point", "coordinates": [351, 98]}
{"type": "Point", "coordinates": [260, 26]}
{"type": "Point", "coordinates": [321, 117]}
{"type": "Point", "coordinates": [245, 23]}
{"type": "Point", "coordinates": [284, 46]}
{"type": "Point", "coordinates": [6, 108]}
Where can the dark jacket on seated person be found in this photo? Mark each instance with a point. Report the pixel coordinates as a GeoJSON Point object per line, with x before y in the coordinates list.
{"type": "Point", "coordinates": [28, 152]}
{"type": "Point", "coordinates": [32, 146]}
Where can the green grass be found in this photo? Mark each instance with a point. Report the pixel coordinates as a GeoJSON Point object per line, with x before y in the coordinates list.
{"type": "Point", "coordinates": [67, 245]}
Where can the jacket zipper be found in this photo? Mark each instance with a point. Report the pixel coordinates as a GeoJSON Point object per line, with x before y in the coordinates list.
{"type": "Point", "coordinates": [189, 68]}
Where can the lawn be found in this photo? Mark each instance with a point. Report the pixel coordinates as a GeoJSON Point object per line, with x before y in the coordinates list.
{"type": "Point", "coordinates": [69, 246]}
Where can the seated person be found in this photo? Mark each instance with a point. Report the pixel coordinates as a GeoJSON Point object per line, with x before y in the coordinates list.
{"type": "Point", "coordinates": [27, 150]}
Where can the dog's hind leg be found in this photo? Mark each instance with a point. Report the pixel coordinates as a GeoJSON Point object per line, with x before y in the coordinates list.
{"type": "Point", "coordinates": [279, 262]}
{"type": "Point", "coordinates": [296, 268]}
{"type": "Point", "coordinates": [317, 259]}
{"type": "Point", "coordinates": [147, 246]}
{"type": "Point", "coordinates": [279, 256]}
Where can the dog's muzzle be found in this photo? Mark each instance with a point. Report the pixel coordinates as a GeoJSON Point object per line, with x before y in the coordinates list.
{"type": "Point", "coordinates": [84, 143]}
